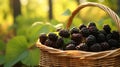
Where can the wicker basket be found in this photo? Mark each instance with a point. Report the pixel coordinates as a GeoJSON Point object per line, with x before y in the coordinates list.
{"type": "Point", "coordinates": [51, 57]}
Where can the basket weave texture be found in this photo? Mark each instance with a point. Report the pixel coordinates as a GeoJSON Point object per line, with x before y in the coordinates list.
{"type": "Point", "coordinates": [51, 57]}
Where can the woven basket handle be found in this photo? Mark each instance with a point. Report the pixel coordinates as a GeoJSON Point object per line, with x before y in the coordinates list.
{"type": "Point", "coordinates": [105, 8]}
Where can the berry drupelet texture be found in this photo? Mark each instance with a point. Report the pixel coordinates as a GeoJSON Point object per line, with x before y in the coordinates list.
{"type": "Point", "coordinates": [70, 47]}
{"type": "Point", "coordinates": [42, 38]}
{"type": "Point", "coordinates": [52, 36]}
{"type": "Point", "coordinates": [90, 40]}
{"type": "Point", "coordinates": [107, 29]}
{"type": "Point", "coordinates": [64, 33]}
{"type": "Point", "coordinates": [85, 32]}
{"type": "Point", "coordinates": [82, 26]}
{"type": "Point", "coordinates": [96, 47]}
{"type": "Point", "coordinates": [74, 30]}
{"type": "Point", "coordinates": [91, 24]}
{"type": "Point", "coordinates": [82, 46]}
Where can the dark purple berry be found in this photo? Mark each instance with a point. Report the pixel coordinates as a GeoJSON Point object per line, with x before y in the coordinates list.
{"type": "Point", "coordinates": [100, 38]}
{"type": "Point", "coordinates": [95, 47]}
{"type": "Point", "coordinates": [103, 32]}
{"type": "Point", "coordinates": [59, 43]}
{"type": "Point", "coordinates": [64, 33]}
{"type": "Point", "coordinates": [52, 36]}
{"type": "Point", "coordinates": [90, 40]}
{"type": "Point", "coordinates": [74, 30]}
{"type": "Point", "coordinates": [42, 38]}
{"type": "Point", "coordinates": [82, 46]}
{"type": "Point", "coordinates": [105, 46]}
{"type": "Point", "coordinates": [107, 29]}
{"type": "Point", "coordinates": [91, 24]}
{"type": "Point", "coordinates": [108, 37]}
{"type": "Point", "coordinates": [113, 43]}
{"type": "Point", "coordinates": [115, 35]}
{"type": "Point", "coordinates": [85, 32]}
{"type": "Point", "coordinates": [76, 37]}
{"type": "Point", "coordinates": [93, 30]}
{"type": "Point", "coordinates": [82, 26]}
{"type": "Point", "coordinates": [49, 43]}
{"type": "Point", "coordinates": [70, 47]}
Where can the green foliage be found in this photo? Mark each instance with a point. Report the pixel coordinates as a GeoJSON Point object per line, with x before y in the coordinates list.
{"type": "Point", "coordinates": [37, 28]}
{"type": "Point", "coordinates": [67, 12]}
{"type": "Point", "coordinates": [16, 50]}
{"type": "Point", "coordinates": [33, 58]}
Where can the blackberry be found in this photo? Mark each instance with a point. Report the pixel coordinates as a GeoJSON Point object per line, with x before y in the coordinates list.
{"type": "Point", "coordinates": [93, 30]}
{"type": "Point", "coordinates": [82, 46]}
{"type": "Point", "coordinates": [90, 40]}
{"type": "Point", "coordinates": [112, 48]}
{"type": "Point", "coordinates": [105, 46]}
{"type": "Point", "coordinates": [91, 24]}
{"type": "Point", "coordinates": [115, 35]}
{"type": "Point", "coordinates": [107, 29]}
{"type": "Point", "coordinates": [59, 43]}
{"type": "Point", "coordinates": [73, 42]}
{"type": "Point", "coordinates": [100, 38]}
{"type": "Point", "coordinates": [76, 37]}
{"type": "Point", "coordinates": [96, 47]}
{"type": "Point", "coordinates": [42, 38]}
{"type": "Point", "coordinates": [85, 32]}
{"type": "Point", "coordinates": [82, 26]}
{"type": "Point", "coordinates": [108, 37]}
{"type": "Point", "coordinates": [52, 36]}
{"type": "Point", "coordinates": [74, 30]}
{"type": "Point", "coordinates": [49, 43]}
{"type": "Point", "coordinates": [64, 33]}
{"type": "Point", "coordinates": [103, 32]}
{"type": "Point", "coordinates": [113, 43]}
{"type": "Point", "coordinates": [70, 47]}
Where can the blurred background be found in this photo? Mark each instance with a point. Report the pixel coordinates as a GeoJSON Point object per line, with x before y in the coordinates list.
{"type": "Point", "coordinates": [17, 16]}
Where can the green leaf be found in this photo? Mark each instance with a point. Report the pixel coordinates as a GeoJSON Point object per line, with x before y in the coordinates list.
{"type": "Point", "coordinates": [33, 58]}
{"type": "Point", "coordinates": [67, 12]}
{"type": "Point", "coordinates": [37, 28]}
{"type": "Point", "coordinates": [2, 45]}
{"type": "Point", "coordinates": [2, 59]}
{"type": "Point", "coordinates": [16, 50]}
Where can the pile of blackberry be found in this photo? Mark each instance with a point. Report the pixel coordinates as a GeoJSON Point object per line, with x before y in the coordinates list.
{"type": "Point", "coordinates": [85, 38]}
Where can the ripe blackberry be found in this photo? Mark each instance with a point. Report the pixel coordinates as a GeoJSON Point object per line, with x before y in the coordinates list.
{"type": "Point", "coordinates": [76, 37]}
{"type": "Point", "coordinates": [112, 48]}
{"type": "Point", "coordinates": [115, 35]}
{"type": "Point", "coordinates": [82, 46]}
{"type": "Point", "coordinates": [70, 47]}
{"type": "Point", "coordinates": [81, 26]}
{"type": "Point", "coordinates": [93, 30]}
{"type": "Point", "coordinates": [100, 38]}
{"type": "Point", "coordinates": [59, 43]}
{"type": "Point", "coordinates": [96, 47]}
{"type": "Point", "coordinates": [74, 30]}
{"type": "Point", "coordinates": [90, 40]}
{"type": "Point", "coordinates": [85, 32]}
{"type": "Point", "coordinates": [107, 29]}
{"type": "Point", "coordinates": [113, 43]}
{"type": "Point", "coordinates": [91, 24]}
{"type": "Point", "coordinates": [103, 32]}
{"type": "Point", "coordinates": [49, 43]}
{"type": "Point", "coordinates": [64, 33]}
{"type": "Point", "coordinates": [108, 37]}
{"type": "Point", "coordinates": [73, 42]}
{"type": "Point", "coordinates": [52, 36]}
{"type": "Point", "coordinates": [42, 38]}
{"type": "Point", "coordinates": [105, 46]}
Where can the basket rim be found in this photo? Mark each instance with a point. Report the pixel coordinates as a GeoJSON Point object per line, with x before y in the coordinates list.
{"type": "Point", "coordinates": [79, 53]}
